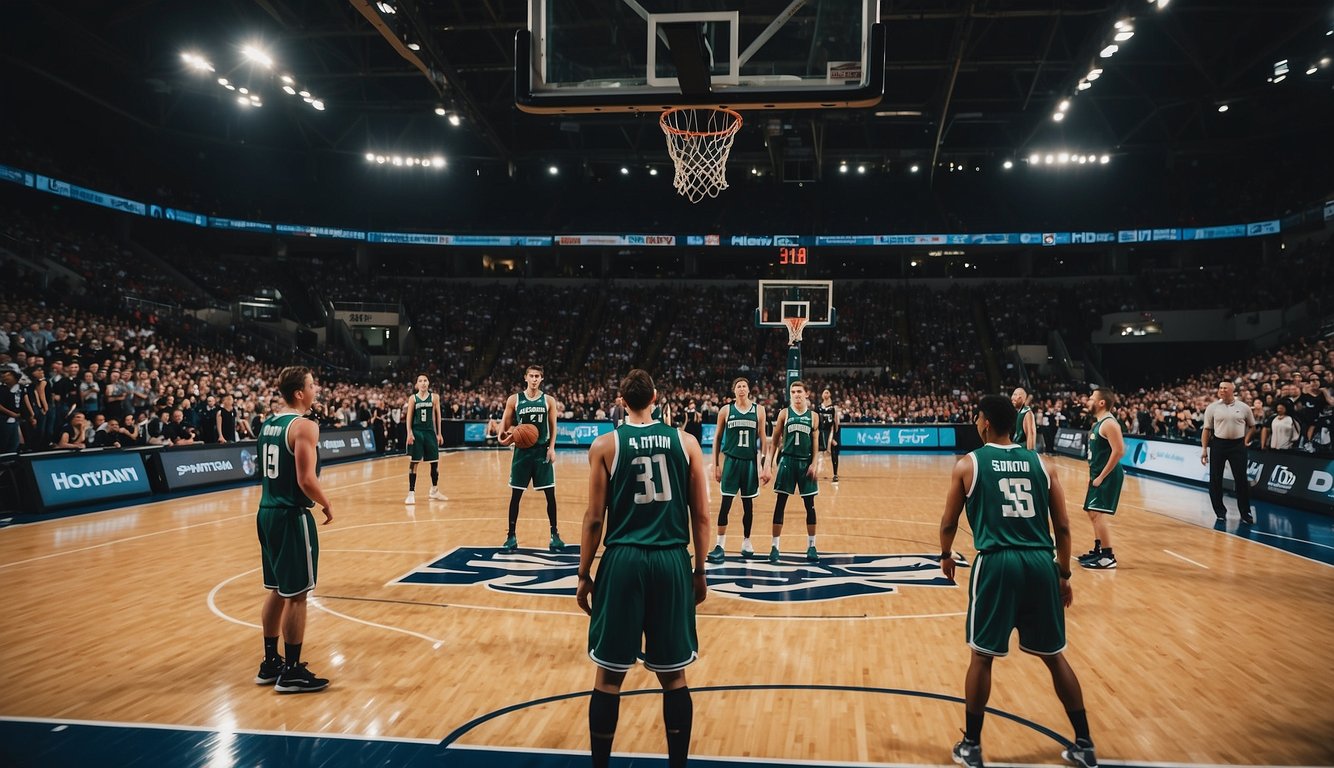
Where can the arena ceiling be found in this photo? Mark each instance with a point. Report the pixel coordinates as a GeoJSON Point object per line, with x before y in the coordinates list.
{"type": "Point", "coordinates": [967, 80]}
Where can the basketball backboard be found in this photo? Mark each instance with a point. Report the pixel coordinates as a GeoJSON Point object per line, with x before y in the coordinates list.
{"type": "Point", "coordinates": [581, 56]}
{"type": "Point", "coordinates": [781, 299]}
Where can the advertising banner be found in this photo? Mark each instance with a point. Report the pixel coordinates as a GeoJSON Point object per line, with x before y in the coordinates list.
{"type": "Point", "coordinates": [201, 466]}
{"type": "Point", "coordinates": [87, 477]}
{"type": "Point", "coordinates": [582, 433]}
{"type": "Point", "coordinates": [896, 438]}
{"type": "Point", "coordinates": [1282, 477]}
{"type": "Point", "coordinates": [1073, 442]}
{"type": "Point", "coordinates": [345, 443]}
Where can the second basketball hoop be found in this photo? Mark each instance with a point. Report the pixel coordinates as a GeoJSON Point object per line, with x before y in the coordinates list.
{"type": "Point", "coordinates": [698, 141]}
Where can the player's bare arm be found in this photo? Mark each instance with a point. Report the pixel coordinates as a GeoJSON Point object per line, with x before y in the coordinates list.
{"type": "Point", "coordinates": [949, 522]}
{"type": "Point", "coordinates": [599, 457]}
{"type": "Point", "coordinates": [699, 513]}
{"type": "Point", "coordinates": [302, 438]}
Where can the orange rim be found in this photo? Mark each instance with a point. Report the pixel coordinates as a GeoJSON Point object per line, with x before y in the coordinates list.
{"type": "Point", "coordinates": [733, 128]}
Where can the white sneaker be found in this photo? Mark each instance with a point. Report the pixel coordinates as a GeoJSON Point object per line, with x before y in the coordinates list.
{"type": "Point", "coordinates": [411, 499]}
{"type": "Point", "coordinates": [437, 495]}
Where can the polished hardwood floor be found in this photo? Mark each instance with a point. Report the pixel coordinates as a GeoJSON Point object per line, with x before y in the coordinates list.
{"type": "Point", "coordinates": [1204, 647]}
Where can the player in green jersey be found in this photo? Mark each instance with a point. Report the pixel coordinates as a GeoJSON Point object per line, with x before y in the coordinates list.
{"type": "Point", "coordinates": [1010, 498]}
{"type": "Point", "coordinates": [646, 487]}
{"type": "Point", "coordinates": [535, 465]}
{"type": "Point", "coordinates": [1025, 426]}
{"type": "Point", "coordinates": [289, 545]}
{"type": "Point", "coordinates": [423, 408]}
{"type": "Point", "coordinates": [794, 444]}
{"type": "Point", "coordinates": [740, 438]}
{"type": "Point", "coordinates": [1106, 446]}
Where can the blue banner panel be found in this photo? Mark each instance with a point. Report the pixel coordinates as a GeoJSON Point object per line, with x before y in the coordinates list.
{"type": "Point", "coordinates": [88, 477]}
{"type": "Point", "coordinates": [581, 433]}
{"type": "Point", "coordinates": [15, 176]}
{"type": "Point", "coordinates": [345, 443]}
{"type": "Point", "coordinates": [239, 224]}
{"type": "Point", "coordinates": [896, 438]}
{"type": "Point", "coordinates": [304, 230]}
{"type": "Point", "coordinates": [202, 466]}
{"type": "Point", "coordinates": [474, 432]}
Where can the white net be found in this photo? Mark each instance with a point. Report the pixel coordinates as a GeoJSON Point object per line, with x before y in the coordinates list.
{"type": "Point", "coordinates": [794, 328]}
{"type": "Point", "coordinates": [698, 141]}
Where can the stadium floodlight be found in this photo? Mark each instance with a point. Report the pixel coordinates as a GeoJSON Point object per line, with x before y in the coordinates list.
{"type": "Point", "coordinates": [438, 161]}
{"type": "Point", "coordinates": [915, 168]}
{"type": "Point", "coordinates": [1063, 106]}
{"type": "Point", "coordinates": [229, 87]}
{"type": "Point", "coordinates": [440, 110]}
{"type": "Point", "coordinates": [1222, 107]}
{"type": "Point", "coordinates": [1008, 164]}
{"type": "Point", "coordinates": [861, 169]}
{"type": "Point", "coordinates": [1162, 4]}
{"type": "Point", "coordinates": [414, 46]}
{"type": "Point", "coordinates": [396, 160]}
{"type": "Point", "coordinates": [1311, 70]}
{"type": "Point", "coordinates": [386, 8]}
{"type": "Point", "coordinates": [426, 162]}
{"type": "Point", "coordinates": [653, 171]}
{"type": "Point", "coordinates": [304, 94]}
{"type": "Point", "coordinates": [223, 81]}
{"type": "Point", "coordinates": [553, 170]}
{"type": "Point", "coordinates": [370, 157]}
{"type": "Point", "coordinates": [1094, 74]}
{"type": "Point", "coordinates": [843, 168]}
{"type": "Point", "coordinates": [1324, 62]}
{"type": "Point", "coordinates": [455, 120]}
{"type": "Point", "coordinates": [1058, 116]}
{"type": "Point", "coordinates": [1105, 159]}
{"type": "Point", "coordinates": [1280, 79]}
{"type": "Point", "coordinates": [196, 62]}
{"type": "Point", "coordinates": [318, 105]}
{"type": "Point", "coordinates": [1050, 159]}
{"type": "Point", "coordinates": [1063, 158]}
{"type": "Point", "coordinates": [288, 79]}
{"type": "Point", "coordinates": [1034, 159]}
{"type": "Point", "coordinates": [244, 90]}
{"type": "Point", "coordinates": [1082, 159]}
{"type": "Point", "coordinates": [243, 101]}
{"type": "Point", "coordinates": [290, 90]}
{"type": "Point", "coordinates": [1124, 24]}
{"type": "Point", "coordinates": [1084, 85]}
{"type": "Point", "coordinates": [255, 54]}
{"type": "Point", "coordinates": [1109, 51]}
{"type": "Point", "coordinates": [380, 159]}
{"type": "Point", "coordinates": [912, 263]}
{"type": "Point", "coordinates": [1124, 35]}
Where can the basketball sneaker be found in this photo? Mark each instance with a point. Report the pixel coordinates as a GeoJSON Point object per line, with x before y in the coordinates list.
{"type": "Point", "coordinates": [1103, 562]}
{"type": "Point", "coordinates": [1092, 554]}
{"type": "Point", "coordinates": [773, 555]}
{"type": "Point", "coordinates": [511, 543]}
{"type": "Point", "coordinates": [299, 679]}
{"type": "Point", "coordinates": [716, 555]}
{"type": "Point", "coordinates": [412, 498]}
{"type": "Point", "coordinates": [436, 495]}
{"type": "Point", "coordinates": [1081, 754]}
{"type": "Point", "coordinates": [811, 555]}
{"type": "Point", "coordinates": [836, 478]}
{"type": "Point", "coordinates": [967, 753]}
{"type": "Point", "coordinates": [1247, 518]}
{"type": "Point", "coordinates": [556, 544]}
{"type": "Point", "coordinates": [746, 551]}
{"type": "Point", "coordinates": [269, 669]}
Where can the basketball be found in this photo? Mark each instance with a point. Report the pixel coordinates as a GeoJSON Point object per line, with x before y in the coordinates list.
{"type": "Point", "coordinates": [524, 436]}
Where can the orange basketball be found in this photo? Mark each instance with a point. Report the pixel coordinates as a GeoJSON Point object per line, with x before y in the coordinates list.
{"type": "Point", "coordinates": [525, 435]}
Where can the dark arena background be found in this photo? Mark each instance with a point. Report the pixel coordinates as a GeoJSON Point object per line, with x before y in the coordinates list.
{"type": "Point", "coordinates": [955, 198]}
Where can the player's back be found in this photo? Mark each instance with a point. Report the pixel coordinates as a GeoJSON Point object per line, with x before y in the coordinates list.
{"type": "Point", "coordinates": [648, 500]}
{"type": "Point", "coordinates": [1008, 500]}
{"type": "Point", "coordinates": [278, 484]}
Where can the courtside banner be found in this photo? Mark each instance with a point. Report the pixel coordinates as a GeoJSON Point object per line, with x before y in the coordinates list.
{"type": "Point", "coordinates": [1284, 477]}
{"type": "Point", "coordinates": [895, 438]}
{"type": "Point", "coordinates": [201, 466]}
{"type": "Point", "coordinates": [581, 433]}
{"type": "Point", "coordinates": [1072, 442]}
{"type": "Point", "coordinates": [346, 443]}
{"type": "Point", "coordinates": [87, 477]}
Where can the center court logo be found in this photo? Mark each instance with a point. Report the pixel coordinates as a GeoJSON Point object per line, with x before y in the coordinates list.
{"type": "Point", "coordinates": [536, 572]}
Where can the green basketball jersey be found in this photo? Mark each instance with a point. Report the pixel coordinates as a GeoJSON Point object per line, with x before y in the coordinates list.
{"type": "Point", "coordinates": [1019, 436]}
{"type": "Point", "coordinates": [1099, 449]}
{"type": "Point", "coordinates": [797, 434]}
{"type": "Point", "coordinates": [657, 413]}
{"type": "Point", "coordinates": [278, 485]}
{"type": "Point", "coordinates": [423, 413]}
{"type": "Point", "coordinates": [533, 412]}
{"type": "Point", "coordinates": [741, 432]}
{"type": "Point", "coordinates": [647, 504]}
{"type": "Point", "coordinates": [1007, 504]}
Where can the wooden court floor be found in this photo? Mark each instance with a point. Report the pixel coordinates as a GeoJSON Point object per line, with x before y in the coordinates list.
{"type": "Point", "coordinates": [1204, 647]}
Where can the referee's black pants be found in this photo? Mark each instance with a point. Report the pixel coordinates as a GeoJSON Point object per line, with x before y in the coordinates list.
{"type": "Point", "coordinates": [1233, 454]}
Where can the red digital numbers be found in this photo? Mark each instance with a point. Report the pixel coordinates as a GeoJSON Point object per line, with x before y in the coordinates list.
{"type": "Point", "coordinates": [792, 256]}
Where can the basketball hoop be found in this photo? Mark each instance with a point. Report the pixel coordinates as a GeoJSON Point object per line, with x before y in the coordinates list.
{"type": "Point", "coordinates": [698, 141]}
{"type": "Point", "coordinates": [794, 328]}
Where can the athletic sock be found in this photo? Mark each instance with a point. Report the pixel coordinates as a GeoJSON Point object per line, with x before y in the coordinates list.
{"type": "Point", "coordinates": [435, 476]}
{"type": "Point", "coordinates": [271, 648]}
{"type": "Point", "coordinates": [810, 541]}
{"type": "Point", "coordinates": [973, 726]}
{"type": "Point", "coordinates": [412, 482]}
{"type": "Point", "coordinates": [677, 715]}
{"type": "Point", "coordinates": [722, 541]}
{"type": "Point", "coordinates": [293, 656]}
{"type": "Point", "coordinates": [1080, 720]}
{"type": "Point", "coordinates": [603, 712]}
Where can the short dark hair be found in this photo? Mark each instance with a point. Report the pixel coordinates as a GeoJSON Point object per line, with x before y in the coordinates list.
{"type": "Point", "coordinates": [637, 389]}
{"type": "Point", "coordinates": [740, 378]}
{"type": "Point", "coordinates": [291, 380]}
{"type": "Point", "coordinates": [797, 383]}
{"type": "Point", "coordinates": [999, 411]}
{"type": "Point", "coordinates": [1105, 395]}
{"type": "Point", "coordinates": [420, 375]}
{"type": "Point", "coordinates": [537, 368]}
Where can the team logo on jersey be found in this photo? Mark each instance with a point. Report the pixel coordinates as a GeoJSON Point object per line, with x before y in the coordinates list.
{"type": "Point", "coordinates": [538, 572]}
